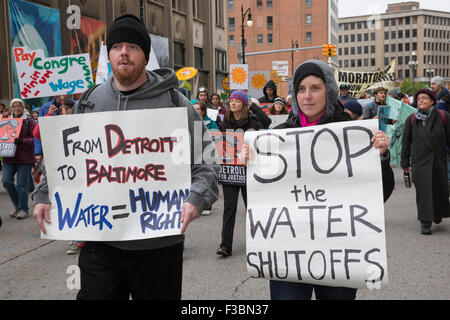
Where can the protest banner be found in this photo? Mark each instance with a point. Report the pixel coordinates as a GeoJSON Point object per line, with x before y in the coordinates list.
{"type": "Point", "coordinates": [360, 82]}
{"type": "Point", "coordinates": [315, 206]}
{"type": "Point", "coordinates": [228, 146]}
{"type": "Point", "coordinates": [9, 131]}
{"type": "Point", "coordinates": [112, 177]}
{"type": "Point", "coordinates": [239, 76]}
{"type": "Point", "coordinates": [396, 137]}
{"type": "Point", "coordinates": [44, 77]}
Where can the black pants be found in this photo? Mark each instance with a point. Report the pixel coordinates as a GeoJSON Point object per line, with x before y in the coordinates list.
{"type": "Point", "coordinates": [231, 196]}
{"type": "Point", "coordinates": [280, 290]}
{"type": "Point", "coordinates": [109, 273]}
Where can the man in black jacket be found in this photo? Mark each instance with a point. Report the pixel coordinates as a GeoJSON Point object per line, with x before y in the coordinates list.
{"type": "Point", "coordinates": [270, 92]}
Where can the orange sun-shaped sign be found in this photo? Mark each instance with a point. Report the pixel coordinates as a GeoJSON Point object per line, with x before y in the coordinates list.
{"type": "Point", "coordinates": [259, 81]}
{"type": "Point", "coordinates": [239, 75]}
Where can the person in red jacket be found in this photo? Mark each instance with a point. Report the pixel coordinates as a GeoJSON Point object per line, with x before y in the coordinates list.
{"type": "Point", "coordinates": [21, 164]}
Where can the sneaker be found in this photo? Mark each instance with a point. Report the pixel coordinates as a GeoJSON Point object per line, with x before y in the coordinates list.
{"type": "Point", "coordinates": [22, 215]}
{"type": "Point", "coordinates": [14, 213]}
{"type": "Point", "coordinates": [223, 252]}
{"type": "Point", "coordinates": [74, 248]}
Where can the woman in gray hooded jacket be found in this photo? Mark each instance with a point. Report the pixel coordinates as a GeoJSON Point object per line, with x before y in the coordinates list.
{"type": "Point", "coordinates": [315, 102]}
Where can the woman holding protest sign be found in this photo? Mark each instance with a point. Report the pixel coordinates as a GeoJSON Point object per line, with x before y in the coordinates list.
{"type": "Point", "coordinates": [315, 103]}
{"type": "Point", "coordinates": [424, 148]}
{"type": "Point", "coordinates": [237, 118]}
{"type": "Point", "coordinates": [21, 164]}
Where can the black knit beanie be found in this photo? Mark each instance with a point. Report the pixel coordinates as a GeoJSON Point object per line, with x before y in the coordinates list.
{"type": "Point", "coordinates": [305, 70]}
{"type": "Point", "coordinates": [128, 28]}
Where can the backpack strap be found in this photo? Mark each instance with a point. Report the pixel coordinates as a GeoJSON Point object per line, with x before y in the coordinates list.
{"type": "Point", "coordinates": [174, 97]}
{"type": "Point", "coordinates": [84, 102]}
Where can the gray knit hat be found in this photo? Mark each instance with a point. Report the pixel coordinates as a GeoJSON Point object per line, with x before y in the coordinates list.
{"type": "Point", "coordinates": [438, 80]}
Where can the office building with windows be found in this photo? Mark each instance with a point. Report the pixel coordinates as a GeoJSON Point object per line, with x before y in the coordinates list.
{"type": "Point", "coordinates": [417, 38]}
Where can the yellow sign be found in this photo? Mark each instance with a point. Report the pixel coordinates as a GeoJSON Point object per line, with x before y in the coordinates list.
{"type": "Point", "coordinates": [186, 73]}
{"type": "Point", "coordinates": [226, 83]}
{"type": "Point", "coordinates": [274, 76]}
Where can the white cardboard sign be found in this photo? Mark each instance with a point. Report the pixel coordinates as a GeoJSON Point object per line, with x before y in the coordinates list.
{"type": "Point", "coordinates": [116, 176]}
{"type": "Point", "coordinates": [315, 206]}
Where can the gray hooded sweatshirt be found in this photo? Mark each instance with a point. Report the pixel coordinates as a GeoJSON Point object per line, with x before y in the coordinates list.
{"type": "Point", "coordinates": [156, 94]}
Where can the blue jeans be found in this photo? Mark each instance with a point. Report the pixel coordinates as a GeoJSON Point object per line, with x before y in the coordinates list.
{"type": "Point", "coordinates": [280, 290]}
{"type": "Point", "coordinates": [18, 193]}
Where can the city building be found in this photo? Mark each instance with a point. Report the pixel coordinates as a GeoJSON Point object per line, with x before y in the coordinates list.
{"type": "Point", "coordinates": [417, 38]}
{"type": "Point", "coordinates": [281, 25]}
{"type": "Point", "coordinates": [194, 33]}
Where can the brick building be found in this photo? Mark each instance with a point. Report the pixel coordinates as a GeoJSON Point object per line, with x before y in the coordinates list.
{"type": "Point", "coordinates": [279, 24]}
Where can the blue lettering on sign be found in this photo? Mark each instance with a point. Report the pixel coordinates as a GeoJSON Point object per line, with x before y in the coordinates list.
{"type": "Point", "coordinates": [163, 221]}
{"type": "Point", "coordinates": [152, 201]}
{"type": "Point", "coordinates": [92, 215]}
{"type": "Point", "coordinates": [70, 86]}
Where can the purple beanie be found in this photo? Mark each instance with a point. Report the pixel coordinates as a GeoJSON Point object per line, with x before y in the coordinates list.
{"type": "Point", "coordinates": [240, 95]}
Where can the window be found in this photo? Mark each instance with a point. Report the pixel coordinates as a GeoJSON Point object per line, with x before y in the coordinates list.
{"type": "Point", "coordinates": [366, 37]}
{"type": "Point", "coordinates": [400, 74]}
{"type": "Point", "coordinates": [231, 24]}
{"type": "Point", "coordinates": [231, 40]}
{"type": "Point", "coordinates": [407, 33]}
{"type": "Point", "coordinates": [400, 34]}
{"type": "Point", "coordinates": [230, 4]}
{"type": "Point", "coordinates": [407, 20]}
{"type": "Point", "coordinates": [359, 50]}
{"type": "Point", "coordinates": [346, 63]}
{"type": "Point", "coordinates": [259, 4]}
{"type": "Point", "coordinates": [359, 37]}
{"type": "Point", "coordinates": [359, 63]}
{"type": "Point", "coordinates": [352, 50]}
{"type": "Point", "coordinates": [198, 57]}
{"type": "Point", "coordinates": [414, 33]}
{"type": "Point", "coordinates": [386, 61]}
{"type": "Point", "coordinates": [179, 50]}
{"type": "Point", "coordinates": [400, 61]}
{"type": "Point", "coordinates": [366, 62]}
{"type": "Point", "coordinates": [372, 62]}
{"type": "Point", "coordinates": [372, 36]}
{"type": "Point", "coordinates": [393, 47]}
{"type": "Point", "coordinates": [309, 19]}
{"type": "Point", "coordinates": [221, 61]}
{"type": "Point", "coordinates": [386, 23]}
{"type": "Point", "coordinates": [359, 25]}
{"type": "Point", "coordinates": [393, 34]}
{"type": "Point", "coordinates": [219, 13]}
{"type": "Point", "coordinates": [386, 35]}
{"type": "Point", "coordinates": [269, 22]}
{"type": "Point", "coordinates": [346, 38]}
{"type": "Point", "coordinates": [259, 38]}
{"type": "Point", "coordinates": [366, 49]}
{"type": "Point", "coordinates": [393, 22]}
{"type": "Point", "coordinates": [269, 38]}
{"type": "Point", "coordinates": [386, 48]}
{"type": "Point", "coordinates": [352, 63]}
{"type": "Point", "coordinates": [346, 51]}
{"type": "Point", "coordinates": [308, 37]}
{"type": "Point", "coordinates": [352, 37]}
{"type": "Point", "coordinates": [308, 3]}
{"type": "Point", "coordinates": [269, 3]}
{"type": "Point", "coordinates": [407, 46]}
{"type": "Point", "coordinates": [345, 26]}
{"type": "Point", "coordinates": [372, 49]}
{"type": "Point", "coordinates": [400, 47]}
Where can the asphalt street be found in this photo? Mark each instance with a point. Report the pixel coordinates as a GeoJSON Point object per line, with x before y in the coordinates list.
{"type": "Point", "coordinates": [418, 266]}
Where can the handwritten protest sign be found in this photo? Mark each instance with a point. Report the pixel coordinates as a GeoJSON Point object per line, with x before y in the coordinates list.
{"type": "Point", "coordinates": [229, 145]}
{"type": "Point", "coordinates": [9, 131]}
{"type": "Point", "coordinates": [44, 77]}
{"type": "Point", "coordinates": [112, 176]}
{"type": "Point", "coordinates": [315, 206]}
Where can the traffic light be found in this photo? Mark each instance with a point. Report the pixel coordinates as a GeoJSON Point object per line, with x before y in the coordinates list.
{"type": "Point", "coordinates": [329, 50]}
{"type": "Point", "coordinates": [325, 50]}
{"type": "Point", "coordinates": [333, 50]}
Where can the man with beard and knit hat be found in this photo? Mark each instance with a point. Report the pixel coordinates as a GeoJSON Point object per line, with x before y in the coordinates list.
{"type": "Point", "coordinates": [151, 268]}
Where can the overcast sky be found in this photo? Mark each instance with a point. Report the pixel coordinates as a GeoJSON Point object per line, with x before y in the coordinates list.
{"type": "Point", "coordinates": [348, 8]}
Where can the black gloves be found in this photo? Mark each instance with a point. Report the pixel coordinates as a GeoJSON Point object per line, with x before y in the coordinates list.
{"type": "Point", "coordinates": [18, 141]}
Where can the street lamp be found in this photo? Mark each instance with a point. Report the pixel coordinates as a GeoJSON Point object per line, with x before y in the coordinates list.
{"type": "Point", "coordinates": [430, 72]}
{"type": "Point", "coordinates": [292, 55]}
{"type": "Point", "coordinates": [413, 65]}
{"type": "Point", "coordinates": [248, 13]}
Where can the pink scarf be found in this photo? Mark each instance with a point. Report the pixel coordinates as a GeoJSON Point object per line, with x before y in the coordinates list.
{"type": "Point", "coordinates": [305, 122]}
